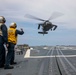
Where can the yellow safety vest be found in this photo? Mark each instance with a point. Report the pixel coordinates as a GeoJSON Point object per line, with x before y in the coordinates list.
{"type": "Point", "coordinates": [12, 36]}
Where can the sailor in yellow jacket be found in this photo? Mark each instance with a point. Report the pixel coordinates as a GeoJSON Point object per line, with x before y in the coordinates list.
{"type": "Point", "coordinates": [12, 41]}
{"type": "Point", "coordinates": [11, 35]}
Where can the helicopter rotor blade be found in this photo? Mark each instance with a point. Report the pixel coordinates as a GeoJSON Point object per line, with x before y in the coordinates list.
{"type": "Point", "coordinates": [59, 23]}
{"type": "Point", "coordinates": [33, 17]}
{"type": "Point", "coordinates": [55, 15]}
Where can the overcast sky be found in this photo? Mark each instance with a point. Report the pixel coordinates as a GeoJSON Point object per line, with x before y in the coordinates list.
{"type": "Point", "coordinates": [65, 34]}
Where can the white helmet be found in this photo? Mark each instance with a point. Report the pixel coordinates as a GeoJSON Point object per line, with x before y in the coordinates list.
{"type": "Point", "coordinates": [13, 25]}
{"type": "Point", "coordinates": [2, 19]}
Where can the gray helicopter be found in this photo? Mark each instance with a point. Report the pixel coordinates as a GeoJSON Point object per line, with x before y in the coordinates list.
{"type": "Point", "coordinates": [46, 25]}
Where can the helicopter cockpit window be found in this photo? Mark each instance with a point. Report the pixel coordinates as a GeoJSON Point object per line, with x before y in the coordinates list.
{"type": "Point", "coordinates": [48, 22]}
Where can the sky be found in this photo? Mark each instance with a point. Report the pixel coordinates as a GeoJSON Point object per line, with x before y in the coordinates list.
{"type": "Point", "coordinates": [65, 34]}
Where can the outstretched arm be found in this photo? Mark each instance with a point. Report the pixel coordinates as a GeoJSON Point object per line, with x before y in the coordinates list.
{"type": "Point", "coordinates": [20, 32]}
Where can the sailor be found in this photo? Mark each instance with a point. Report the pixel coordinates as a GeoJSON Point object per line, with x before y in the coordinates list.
{"type": "Point", "coordinates": [3, 40]}
{"type": "Point", "coordinates": [12, 41]}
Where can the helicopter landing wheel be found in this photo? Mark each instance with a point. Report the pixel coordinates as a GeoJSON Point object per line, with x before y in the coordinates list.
{"type": "Point", "coordinates": [43, 32]}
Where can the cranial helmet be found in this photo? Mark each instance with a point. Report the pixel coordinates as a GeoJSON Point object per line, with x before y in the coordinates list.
{"type": "Point", "coordinates": [13, 25]}
{"type": "Point", "coordinates": [2, 19]}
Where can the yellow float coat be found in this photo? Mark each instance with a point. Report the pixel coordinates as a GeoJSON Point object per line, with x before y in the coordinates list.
{"type": "Point", "coordinates": [12, 35]}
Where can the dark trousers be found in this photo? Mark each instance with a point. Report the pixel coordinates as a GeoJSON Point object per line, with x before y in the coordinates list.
{"type": "Point", "coordinates": [2, 52]}
{"type": "Point", "coordinates": [10, 54]}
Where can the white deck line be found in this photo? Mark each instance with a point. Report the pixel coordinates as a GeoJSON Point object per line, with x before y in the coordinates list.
{"type": "Point", "coordinates": [50, 56]}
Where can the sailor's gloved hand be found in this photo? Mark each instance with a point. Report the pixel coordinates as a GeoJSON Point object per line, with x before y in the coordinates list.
{"type": "Point", "coordinates": [7, 45]}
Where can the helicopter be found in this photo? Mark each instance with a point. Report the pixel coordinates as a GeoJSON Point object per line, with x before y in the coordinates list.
{"type": "Point", "coordinates": [46, 25]}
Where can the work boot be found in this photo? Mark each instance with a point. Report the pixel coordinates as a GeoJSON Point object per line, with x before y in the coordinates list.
{"type": "Point", "coordinates": [8, 67]}
{"type": "Point", "coordinates": [13, 63]}
{"type": "Point", "coordinates": [1, 66]}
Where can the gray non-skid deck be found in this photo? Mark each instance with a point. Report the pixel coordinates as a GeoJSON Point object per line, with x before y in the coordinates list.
{"type": "Point", "coordinates": [45, 65]}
